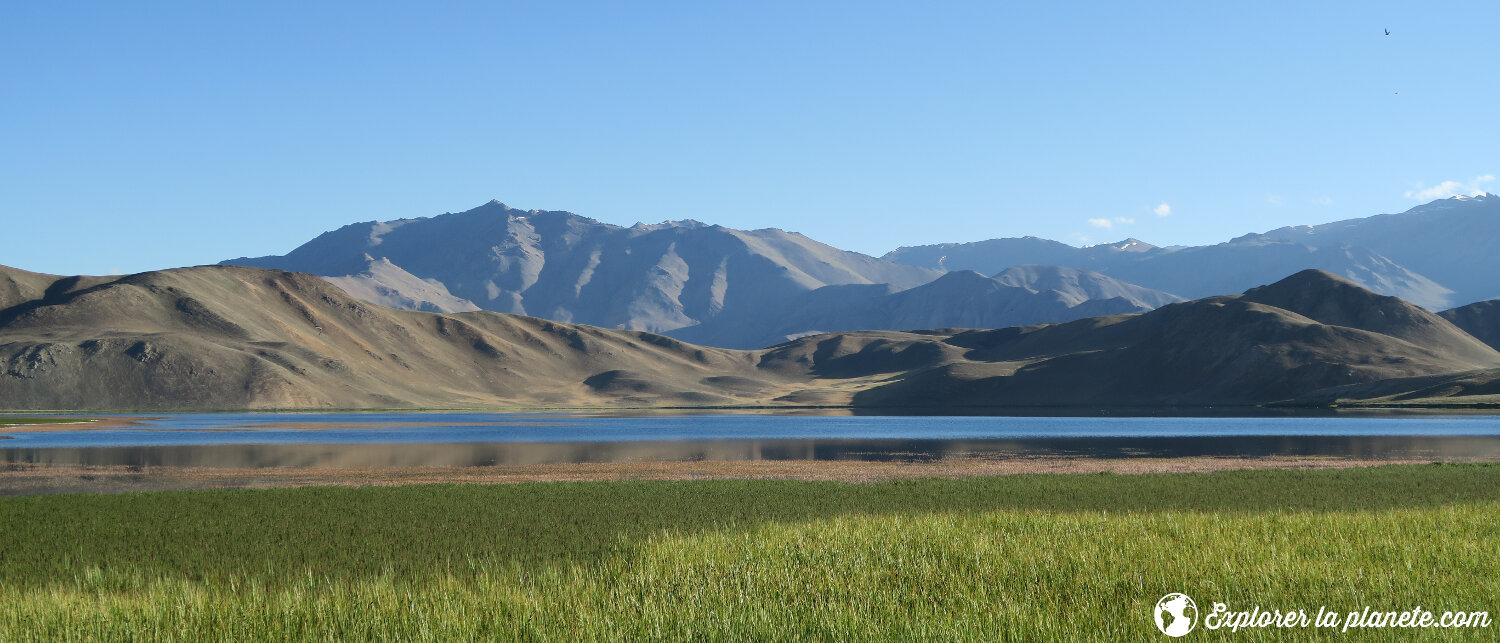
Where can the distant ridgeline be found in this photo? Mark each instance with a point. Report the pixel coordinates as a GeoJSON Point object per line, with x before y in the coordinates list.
{"type": "Point", "coordinates": [747, 289]}
{"type": "Point", "coordinates": [1436, 255]}
{"type": "Point", "coordinates": [702, 283]}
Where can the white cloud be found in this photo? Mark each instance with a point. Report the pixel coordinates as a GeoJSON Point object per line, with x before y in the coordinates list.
{"type": "Point", "coordinates": [1162, 210]}
{"type": "Point", "coordinates": [1323, 200]}
{"type": "Point", "coordinates": [1440, 191]}
{"type": "Point", "coordinates": [1274, 199]}
{"type": "Point", "coordinates": [1110, 223]}
{"type": "Point", "coordinates": [1451, 188]}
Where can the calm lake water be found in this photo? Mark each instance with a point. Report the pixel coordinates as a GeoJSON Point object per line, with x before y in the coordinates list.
{"type": "Point", "coordinates": [418, 439]}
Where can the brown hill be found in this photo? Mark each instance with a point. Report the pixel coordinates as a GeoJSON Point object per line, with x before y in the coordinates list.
{"type": "Point", "coordinates": [234, 337]}
{"type": "Point", "coordinates": [1244, 349]}
{"type": "Point", "coordinates": [230, 337]}
{"type": "Point", "coordinates": [1480, 319]}
{"type": "Point", "coordinates": [959, 299]}
{"type": "Point", "coordinates": [1467, 389]}
{"type": "Point", "coordinates": [19, 286]}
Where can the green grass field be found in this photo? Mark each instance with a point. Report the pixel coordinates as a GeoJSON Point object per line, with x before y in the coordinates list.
{"type": "Point", "coordinates": [15, 420]}
{"type": "Point", "coordinates": [1079, 557]}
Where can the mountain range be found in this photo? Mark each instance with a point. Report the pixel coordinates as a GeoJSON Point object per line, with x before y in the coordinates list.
{"type": "Point", "coordinates": [1436, 255]}
{"type": "Point", "coordinates": [701, 283]}
{"type": "Point", "coordinates": [1450, 241]}
{"type": "Point", "coordinates": [1017, 296]}
{"type": "Point", "coordinates": [237, 337]}
{"type": "Point", "coordinates": [731, 288]}
{"type": "Point", "coordinates": [566, 267]}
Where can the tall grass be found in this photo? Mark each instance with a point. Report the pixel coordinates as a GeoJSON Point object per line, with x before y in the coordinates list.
{"type": "Point", "coordinates": [17, 420]}
{"type": "Point", "coordinates": [1018, 558]}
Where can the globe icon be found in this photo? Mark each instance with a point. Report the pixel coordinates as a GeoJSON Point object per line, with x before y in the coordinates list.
{"type": "Point", "coordinates": [1176, 614]}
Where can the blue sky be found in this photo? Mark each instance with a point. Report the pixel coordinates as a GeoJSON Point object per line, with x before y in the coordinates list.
{"type": "Point", "coordinates": [145, 135]}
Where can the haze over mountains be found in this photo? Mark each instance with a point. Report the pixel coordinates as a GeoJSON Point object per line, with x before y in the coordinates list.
{"type": "Point", "coordinates": [748, 289]}
{"type": "Point", "coordinates": [565, 267]}
{"type": "Point", "coordinates": [1451, 241]}
{"type": "Point", "coordinates": [1436, 255]}
{"type": "Point", "coordinates": [235, 337]}
{"type": "Point", "coordinates": [1018, 296]}
{"type": "Point", "coordinates": [702, 283]}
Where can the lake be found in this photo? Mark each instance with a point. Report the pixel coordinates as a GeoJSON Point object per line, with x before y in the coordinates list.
{"type": "Point", "coordinates": [479, 439]}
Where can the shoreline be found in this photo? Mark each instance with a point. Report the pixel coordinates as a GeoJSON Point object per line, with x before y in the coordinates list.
{"type": "Point", "coordinates": [26, 479]}
{"type": "Point", "coordinates": [83, 420]}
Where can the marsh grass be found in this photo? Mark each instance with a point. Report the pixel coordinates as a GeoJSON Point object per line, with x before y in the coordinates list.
{"type": "Point", "coordinates": [11, 420]}
{"type": "Point", "coordinates": [1080, 557]}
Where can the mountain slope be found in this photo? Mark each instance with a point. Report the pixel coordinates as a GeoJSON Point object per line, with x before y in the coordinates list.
{"type": "Point", "coordinates": [1205, 271]}
{"type": "Point", "coordinates": [1480, 319]}
{"type": "Point", "coordinates": [959, 299]}
{"type": "Point", "coordinates": [1078, 286]}
{"type": "Point", "coordinates": [231, 337]}
{"type": "Point", "coordinates": [995, 255]}
{"type": "Point", "coordinates": [700, 283]}
{"type": "Point", "coordinates": [566, 267]}
{"type": "Point", "coordinates": [234, 337]}
{"type": "Point", "coordinates": [1221, 350]}
{"type": "Point", "coordinates": [1191, 272]}
{"type": "Point", "coordinates": [19, 286]}
{"type": "Point", "coordinates": [1434, 255]}
{"type": "Point", "coordinates": [1450, 241]}
{"type": "Point", "coordinates": [386, 284]}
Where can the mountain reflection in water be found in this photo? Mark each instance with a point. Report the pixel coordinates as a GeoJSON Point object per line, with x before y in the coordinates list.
{"type": "Point", "coordinates": [528, 453]}
{"type": "Point", "coordinates": [487, 439]}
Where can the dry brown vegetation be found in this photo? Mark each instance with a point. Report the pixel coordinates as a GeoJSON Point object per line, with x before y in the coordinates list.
{"type": "Point", "coordinates": [32, 479]}
{"type": "Point", "coordinates": [217, 337]}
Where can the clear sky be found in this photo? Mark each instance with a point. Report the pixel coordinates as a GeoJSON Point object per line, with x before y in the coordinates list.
{"type": "Point", "coordinates": [145, 135]}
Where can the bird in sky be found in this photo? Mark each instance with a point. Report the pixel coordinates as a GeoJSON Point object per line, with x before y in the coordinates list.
{"type": "Point", "coordinates": [1387, 32]}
